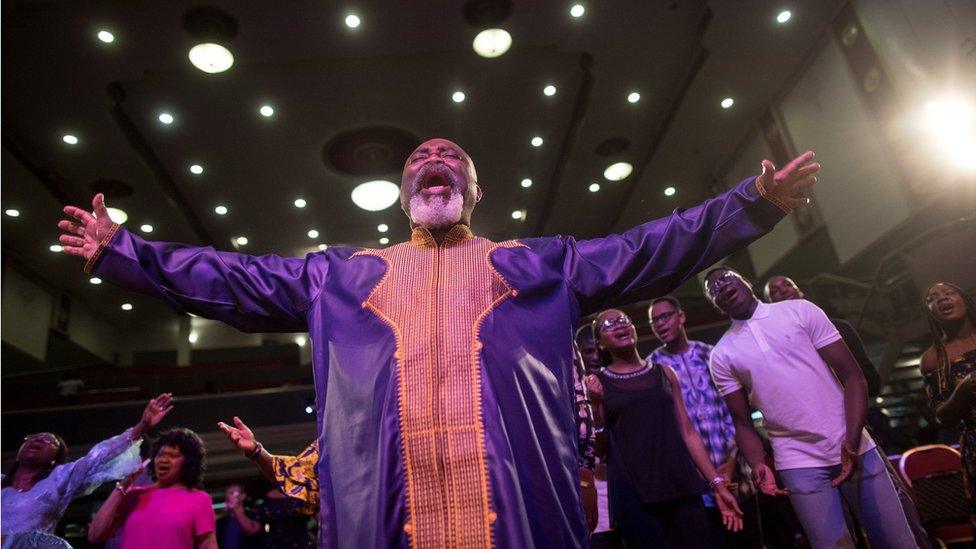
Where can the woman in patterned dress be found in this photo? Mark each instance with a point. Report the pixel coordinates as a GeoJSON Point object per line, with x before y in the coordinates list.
{"type": "Point", "coordinates": [949, 369]}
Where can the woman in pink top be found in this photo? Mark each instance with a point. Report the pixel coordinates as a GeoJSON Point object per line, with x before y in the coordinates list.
{"type": "Point", "coordinates": [170, 513]}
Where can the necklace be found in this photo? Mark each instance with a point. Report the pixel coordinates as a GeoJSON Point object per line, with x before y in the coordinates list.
{"type": "Point", "coordinates": [630, 375]}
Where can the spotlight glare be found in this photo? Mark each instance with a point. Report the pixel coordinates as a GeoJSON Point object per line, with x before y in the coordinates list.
{"type": "Point", "coordinates": [633, 97]}
{"type": "Point", "coordinates": [301, 340]}
{"type": "Point", "coordinates": [196, 169]}
{"type": "Point", "coordinates": [266, 111]}
{"type": "Point", "coordinates": [492, 42]}
{"type": "Point", "coordinates": [784, 16]}
{"type": "Point", "coordinates": [211, 58]}
{"type": "Point", "coordinates": [70, 139]}
{"type": "Point", "coordinates": [300, 203]}
{"type": "Point", "coordinates": [536, 141]}
{"type": "Point", "coordinates": [618, 171]}
{"type": "Point", "coordinates": [577, 10]}
{"type": "Point", "coordinates": [727, 102]}
{"type": "Point", "coordinates": [353, 21]}
{"type": "Point", "coordinates": [221, 210]}
{"type": "Point", "coordinates": [526, 183]}
{"type": "Point", "coordinates": [594, 187]}
{"type": "Point", "coordinates": [12, 212]}
{"type": "Point", "coordinates": [106, 36]}
{"type": "Point", "coordinates": [193, 337]}
{"type": "Point", "coordinates": [382, 227]}
{"type": "Point", "coordinates": [458, 96]}
{"type": "Point", "coordinates": [313, 233]}
{"type": "Point", "coordinates": [126, 306]}
{"type": "Point", "coordinates": [669, 191]}
{"type": "Point", "coordinates": [549, 90]}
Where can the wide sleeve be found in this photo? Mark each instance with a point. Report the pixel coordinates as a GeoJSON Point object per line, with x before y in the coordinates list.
{"type": "Point", "coordinates": [110, 459]}
{"type": "Point", "coordinates": [654, 258]}
{"type": "Point", "coordinates": [252, 293]}
{"type": "Point", "coordinates": [297, 476]}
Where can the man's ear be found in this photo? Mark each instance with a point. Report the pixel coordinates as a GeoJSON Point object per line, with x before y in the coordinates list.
{"type": "Point", "coordinates": [478, 196]}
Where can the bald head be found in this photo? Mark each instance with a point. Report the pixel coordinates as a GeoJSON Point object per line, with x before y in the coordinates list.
{"type": "Point", "coordinates": [780, 288]}
{"type": "Point", "coordinates": [439, 186]}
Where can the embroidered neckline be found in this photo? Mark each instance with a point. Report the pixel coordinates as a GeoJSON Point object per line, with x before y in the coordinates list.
{"type": "Point", "coordinates": [459, 233]}
{"type": "Point", "coordinates": [648, 365]}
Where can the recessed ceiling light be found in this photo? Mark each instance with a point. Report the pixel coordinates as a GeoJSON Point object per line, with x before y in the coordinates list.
{"type": "Point", "coordinates": [193, 337]}
{"type": "Point", "coordinates": [300, 203]}
{"type": "Point", "coordinates": [492, 42]}
{"type": "Point", "coordinates": [147, 228]}
{"type": "Point", "coordinates": [669, 191]}
{"type": "Point", "coordinates": [126, 306]}
{"type": "Point", "coordinates": [301, 341]}
{"type": "Point", "coordinates": [95, 280]}
{"type": "Point", "coordinates": [12, 212]}
{"type": "Point", "coordinates": [577, 10]}
{"type": "Point", "coordinates": [458, 96]}
{"type": "Point", "coordinates": [618, 171]}
{"type": "Point", "coordinates": [221, 210]}
{"type": "Point", "coordinates": [323, 247]}
{"type": "Point", "coordinates": [727, 102]}
{"type": "Point", "coordinates": [384, 241]}
{"type": "Point", "coordinates": [313, 233]}
{"type": "Point", "coordinates": [526, 183]}
{"type": "Point", "coordinates": [549, 90]}
{"type": "Point", "coordinates": [241, 241]}
{"type": "Point", "coordinates": [536, 141]}
{"type": "Point", "coordinates": [165, 118]}
{"type": "Point", "coordinates": [56, 248]}
{"type": "Point", "coordinates": [594, 187]}
{"type": "Point", "coordinates": [518, 214]}
{"type": "Point", "coordinates": [633, 97]}
{"type": "Point", "coordinates": [196, 169]}
{"type": "Point", "coordinates": [784, 16]}
{"type": "Point", "coordinates": [375, 195]}
{"type": "Point", "coordinates": [382, 227]}
{"type": "Point", "coordinates": [353, 21]}
{"type": "Point", "coordinates": [70, 139]}
{"type": "Point", "coordinates": [117, 215]}
{"type": "Point", "coordinates": [266, 111]}
{"type": "Point", "coordinates": [105, 36]}
{"type": "Point", "coordinates": [211, 58]}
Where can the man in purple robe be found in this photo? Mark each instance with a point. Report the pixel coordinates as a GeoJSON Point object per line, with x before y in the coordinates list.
{"type": "Point", "coordinates": [443, 364]}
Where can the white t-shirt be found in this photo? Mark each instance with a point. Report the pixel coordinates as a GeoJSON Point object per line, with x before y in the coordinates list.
{"type": "Point", "coordinates": [773, 356]}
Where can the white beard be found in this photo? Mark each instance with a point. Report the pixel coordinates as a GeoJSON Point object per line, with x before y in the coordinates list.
{"type": "Point", "coordinates": [434, 212]}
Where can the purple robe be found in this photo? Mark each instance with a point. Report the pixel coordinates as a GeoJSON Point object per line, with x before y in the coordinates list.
{"type": "Point", "coordinates": [442, 372]}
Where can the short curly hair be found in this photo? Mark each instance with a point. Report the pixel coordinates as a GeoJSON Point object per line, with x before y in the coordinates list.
{"type": "Point", "coordinates": [194, 455]}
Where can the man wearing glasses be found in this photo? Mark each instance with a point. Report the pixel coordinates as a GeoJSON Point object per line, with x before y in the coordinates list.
{"type": "Point", "coordinates": [789, 361]}
{"type": "Point", "coordinates": [707, 410]}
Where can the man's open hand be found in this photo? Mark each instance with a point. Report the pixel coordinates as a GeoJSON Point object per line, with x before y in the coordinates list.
{"type": "Point", "coordinates": [790, 184]}
{"type": "Point", "coordinates": [82, 235]}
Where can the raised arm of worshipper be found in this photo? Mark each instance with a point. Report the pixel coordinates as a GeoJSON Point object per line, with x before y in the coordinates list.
{"type": "Point", "coordinates": [265, 293]}
{"type": "Point", "coordinates": [655, 257]}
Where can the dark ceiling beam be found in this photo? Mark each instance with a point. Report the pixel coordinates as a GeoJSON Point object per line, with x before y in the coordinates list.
{"type": "Point", "coordinates": [701, 55]}
{"type": "Point", "coordinates": [568, 143]}
{"type": "Point", "coordinates": [142, 148]}
{"type": "Point", "coordinates": [55, 183]}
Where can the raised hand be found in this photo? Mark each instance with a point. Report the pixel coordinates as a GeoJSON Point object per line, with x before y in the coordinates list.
{"type": "Point", "coordinates": [788, 186]}
{"type": "Point", "coordinates": [240, 435]}
{"type": "Point", "coordinates": [153, 413]}
{"type": "Point", "coordinates": [766, 481]}
{"type": "Point", "coordinates": [82, 235]}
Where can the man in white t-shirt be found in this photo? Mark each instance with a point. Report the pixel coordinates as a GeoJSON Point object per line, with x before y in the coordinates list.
{"type": "Point", "coordinates": [789, 361]}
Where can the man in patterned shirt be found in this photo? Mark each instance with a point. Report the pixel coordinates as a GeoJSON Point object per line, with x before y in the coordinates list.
{"type": "Point", "coordinates": [706, 408]}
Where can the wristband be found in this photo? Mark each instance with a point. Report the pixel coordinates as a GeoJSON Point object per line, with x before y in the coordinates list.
{"type": "Point", "coordinates": [715, 482]}
{"type": "Point", "coordinates": [253, 454]}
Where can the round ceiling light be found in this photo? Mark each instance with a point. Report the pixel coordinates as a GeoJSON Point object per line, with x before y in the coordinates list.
{"type": "Point", "coordinates": [313, 233]}
{"type": "Point", "coordinates": [353, 21]}
{"type": "Point", "coordinates": [374, 196]}
{"type": "Point", "coordinates": [536, 141]}
{"type": "Point", "coordinates": [669, 191]}
{"type": "Point", "coordinates": [12, 212]}
{"type": "Point", "coordinates": [549, 90]}
{"type": "Point", "coordinates": [126, 306]}
{"type": "Point", "coordinates": [526, 183]}
{"type": "Point", "coordinates": [147, 228]}
{"type": "Point", "coordinates": [266, 111]}
{"type": "Point", "coordinates": [577, 10]}
{"type": "Point", "coordinates": [458, 97]}
{"type": "Point", "coordinates": [117, 215]}
{"type": "Point", "coordinates": [594, 187]}
{"type": "Point", "coordinates": [241, 241]}
{"type": "Point", "coordinates": [727, 102]}
{"type": "Point", "coordinates": [492, 42]}
{"type": "Point", "coordinates": [220, 210]}
{"type": "Point", "coordinates": [211, 58]}
{"type": "Point", "coordinates": [106, 36]}
{"type": "Point", "coordinates": [784, 16]}
{"type": "Point", "coordinates": [633, 97]}
{"type": "Point", "coordinates": [618, 171]}
{"type": "Point", "coordinates": [196, 169]}
{"type": "Point", "coordinates": [166, 118]}
{"type": "Point", "coordinates": [300, 203]}
{"type": "Point", "coordinates": [384, 241]}
{"type": "Point", "coordinates": [70, 139]}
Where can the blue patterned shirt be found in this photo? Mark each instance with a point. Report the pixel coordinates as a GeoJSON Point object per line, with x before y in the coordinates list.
{"type": "Point", "coordinates": [705, 406]}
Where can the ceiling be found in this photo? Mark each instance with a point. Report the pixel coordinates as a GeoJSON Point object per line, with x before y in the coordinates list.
{"type": "Point", "coordinates": [397, 71]}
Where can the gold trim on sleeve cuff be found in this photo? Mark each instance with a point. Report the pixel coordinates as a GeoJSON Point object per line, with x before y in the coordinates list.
{"type": "Point", "coordinates": [90, 264]}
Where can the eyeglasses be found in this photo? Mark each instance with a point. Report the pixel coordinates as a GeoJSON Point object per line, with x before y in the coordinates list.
{"type": "Point", "coordinates": [720, 282]}
{"type": "Point", "coordinates": [622, 320]}
{"type": "Point", "coordinates": [663, 317]}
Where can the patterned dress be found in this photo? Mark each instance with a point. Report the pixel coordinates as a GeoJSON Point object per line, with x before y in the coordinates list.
{"type": "Point", "coordinates": [959, 368]}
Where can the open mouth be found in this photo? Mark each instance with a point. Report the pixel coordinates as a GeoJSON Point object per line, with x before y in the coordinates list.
{"type": "Point", "coordinates": [946, 308]}
{"type": "Point", "coordinates": [435, 179]}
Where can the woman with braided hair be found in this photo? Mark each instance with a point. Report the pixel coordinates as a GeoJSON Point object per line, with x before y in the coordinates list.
{"type": "Point", "coordinates": [949, 369]}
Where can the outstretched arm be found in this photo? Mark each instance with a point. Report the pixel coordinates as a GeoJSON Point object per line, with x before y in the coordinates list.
{"type": "Point", "coordinates": [256, 294]}
{"type": "Point", "coordinates": [656, 257]}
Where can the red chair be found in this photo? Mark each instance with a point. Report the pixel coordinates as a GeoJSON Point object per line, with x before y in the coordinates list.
{"type": "Point", "coordinates": [934, 477]}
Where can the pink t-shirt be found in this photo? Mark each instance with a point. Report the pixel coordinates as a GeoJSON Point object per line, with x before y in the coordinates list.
{"type": "Point", "coordinates": [165, 517]}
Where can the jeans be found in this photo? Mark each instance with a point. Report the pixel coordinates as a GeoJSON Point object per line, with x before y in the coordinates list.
{"type": "Point", "coordinates": [870, 495]}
